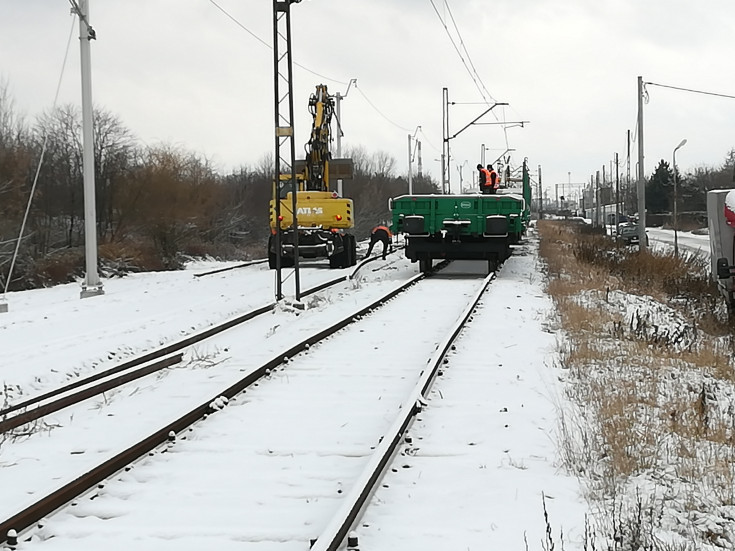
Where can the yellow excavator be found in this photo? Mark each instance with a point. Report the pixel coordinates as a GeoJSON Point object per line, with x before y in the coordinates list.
{"type": "Point", "coordinates": [323, 217]}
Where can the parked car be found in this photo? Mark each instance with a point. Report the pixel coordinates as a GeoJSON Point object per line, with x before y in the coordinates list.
{"type": "Point", "coordinates": [628, 234]}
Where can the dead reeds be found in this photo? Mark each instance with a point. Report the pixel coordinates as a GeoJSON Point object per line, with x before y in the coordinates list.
{"type": "Point", "coordinates": [647, 343]}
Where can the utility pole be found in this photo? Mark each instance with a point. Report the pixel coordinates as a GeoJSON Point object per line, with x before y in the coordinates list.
{"type": "Point", "coordinates": [410, 160]}
{"type": "Point", "coordinates": [420, 170]}
{"type": "Point", "coordinates": [540, 196]}
{"type": "Point", "coordinates": [641, 173]}
{"type": "Point", "coordinates": [446, 137]}
{"type": "Point", "coordinates": [338, 111]}
{"type": "Point", "coordinates": [92, 285]}
{"type": "Point", "coordinates": [617, 192]}
{"type": "Point", "coordinates": [597, 198]}
{"type": "Point", "coordinates": [285, 149]}
{"type": "Point", "coordinates": [482, 155]}
{"type": "Point", "coordinates": [410, 151]}
{"type": "Point", "coordinates": [627, 173]}
{"type": "Point", "coordinates": [445, 141]}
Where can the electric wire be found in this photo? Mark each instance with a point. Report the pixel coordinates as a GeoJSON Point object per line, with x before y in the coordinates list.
{"type": "Point", "coordinates": [76, 9]}
{"type": "Point", "coordinates": [689, 90]}
{"type": "Point", "coordinates": [426, 138]}
{"type": "Point", "coordinates": [371, 104]}
{"type": "Point", "coordinates": [468, 65]}
{"type": "Point", "coordinates": [469, 58]}
{"type": "Point", "coordinates": [38, 168]}
{"type": "Point", "coordinates": [269, 46]}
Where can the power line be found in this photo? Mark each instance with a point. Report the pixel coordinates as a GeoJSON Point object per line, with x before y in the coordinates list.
{"type": "Point", "coordinates": [40, 162]}
{"type": "Point", "coordinates": [243, 27]}
{"type": "Point", "coordinates": [379, 111]}
{"type": "Point", "coordinates": [251, 33]}
{"type": "Point", "coordinates": [471, 71]}
{"type": "Point", "coordinates": [690, 90]}
{"type": "Point", "coordinates": [469, 59]}
{"type": "Point", "coordinates": [429, 141]}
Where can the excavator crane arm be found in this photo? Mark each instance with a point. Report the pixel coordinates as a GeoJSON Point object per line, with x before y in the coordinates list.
{"type": "Point", "coordinates": [321, 107]}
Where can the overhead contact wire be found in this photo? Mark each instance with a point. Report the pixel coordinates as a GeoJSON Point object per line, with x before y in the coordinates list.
{"type": "Point", "coordinates": [251, 33]}
{"type": "Point", "coordinates": [38, 168]}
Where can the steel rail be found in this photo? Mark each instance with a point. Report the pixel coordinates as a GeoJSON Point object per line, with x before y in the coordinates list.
{"type": "Point", "coordinates": [52, 407]}
{"type": "Point", "coordinates": [227, 269]}
{"type": "Point", "coordinates": [338, 528]}
{"type": "Point", "coordinates": [25, 519]}
{"type": "Point", "coordinates": [168, 349]}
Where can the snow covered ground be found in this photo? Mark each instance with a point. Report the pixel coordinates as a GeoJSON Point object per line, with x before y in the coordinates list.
{"type": "Point", "coordinates": [491, 422]}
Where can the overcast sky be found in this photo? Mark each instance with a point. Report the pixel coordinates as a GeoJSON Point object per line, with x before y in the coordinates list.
{"type": "Point", "coordinates": [182, 72]}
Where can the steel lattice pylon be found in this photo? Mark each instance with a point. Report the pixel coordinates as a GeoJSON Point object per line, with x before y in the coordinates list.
{"type": "Point", "coordinates": [285, 150]}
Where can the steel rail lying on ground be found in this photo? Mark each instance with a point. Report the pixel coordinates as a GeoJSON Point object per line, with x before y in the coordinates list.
{"type": "Point", "coordinates": [31, 515]}
{"type": "Point", "coordinates": [338, 528]}
{"type": "Point", "coordinates": [228, 268]}
{"type": "Point", "coordinates": [167, 349]}
{"type": "Point", "coordinates": [52, 407]}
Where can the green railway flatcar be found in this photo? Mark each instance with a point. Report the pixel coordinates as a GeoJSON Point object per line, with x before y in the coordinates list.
{"type": "Point", "coordinates": [462, 227]}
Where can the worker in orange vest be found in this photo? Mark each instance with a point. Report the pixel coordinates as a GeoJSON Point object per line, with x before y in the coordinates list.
{"type": "Point", "coordinates": [484, 179]}
{"type": "Point", "coordinates": [493, 182]}
{"type": "Point", "coordinates": [481, 177]}
{"type": "Point", "coordinates": [380, 233]}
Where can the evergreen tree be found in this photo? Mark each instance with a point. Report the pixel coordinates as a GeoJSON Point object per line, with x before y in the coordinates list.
{"type": "Point", "coordinates": [660, 189]}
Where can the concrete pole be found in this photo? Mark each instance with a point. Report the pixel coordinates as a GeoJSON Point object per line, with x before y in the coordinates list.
{"type": "Point", "coordinates": [627, 174]}
{"type": "Point", "coordinates": [641, 173]}
{"type": "Point", "coordinates": [676, 202]}
{"type": "Point", "coordinates": [597, 198]}
{"type": "Point", "coordinates": [338, 108]}
{"type": "Point", "coordinates": [446, 156]}
{"type": "Point", "coordinates": [444, 190]}
{"type": "Point", "coordinates": [410, 181]}
{"type": "Point", "coordinates": [92, 286]}
{"type": "Point", "coordinates": [420, 168]}
{"type": "Point", "coordinates": [540, 196]}
{"type": "Point", "coordinates": [482, 155]}
{"type": "Point", "coordinates": [617, 193]}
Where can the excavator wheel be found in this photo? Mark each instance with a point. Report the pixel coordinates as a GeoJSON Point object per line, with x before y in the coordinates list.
{"type": "Point", "coordinates": [351, 246]}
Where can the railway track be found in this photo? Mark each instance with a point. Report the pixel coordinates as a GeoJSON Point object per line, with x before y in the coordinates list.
{"type": "Point", "coordinates": [39, 406]}
{"type": "Point", "coordinates": [33, 514]}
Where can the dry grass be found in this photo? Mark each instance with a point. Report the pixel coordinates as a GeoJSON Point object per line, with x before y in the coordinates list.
{"type": "Point", "coordinates": [654, 389]}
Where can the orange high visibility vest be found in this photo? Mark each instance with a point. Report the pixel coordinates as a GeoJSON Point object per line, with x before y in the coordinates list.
{"type": "Point", "coordinates": [376, 228]}
{"type": "Point", "coordinates": [487, 173]}
{"type": "Point", "coordinates": [493, 182]}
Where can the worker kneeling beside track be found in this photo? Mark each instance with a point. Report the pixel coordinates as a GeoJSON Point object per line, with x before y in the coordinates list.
{"type": "Point", "coordinates": [383, 234]}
